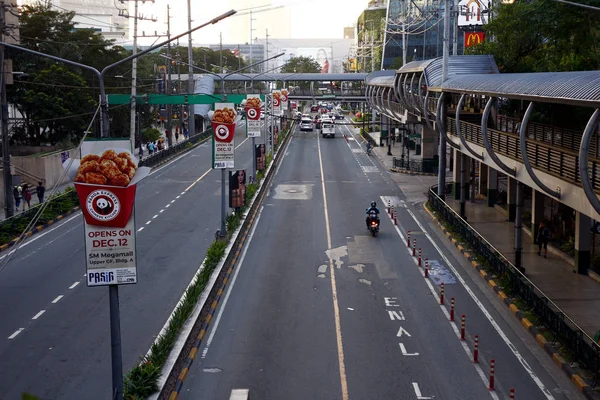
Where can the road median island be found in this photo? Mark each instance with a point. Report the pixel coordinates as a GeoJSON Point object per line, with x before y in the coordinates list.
{"type": "Point", "coordinates": [161, 372]}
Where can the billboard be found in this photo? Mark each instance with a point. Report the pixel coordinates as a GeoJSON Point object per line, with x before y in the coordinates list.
{"type": "Point", "coordinates": [323, 55]}
{"type": "Point", "coordinates": [474, 38]}
{"type": "Point", "coordinates": [473, 12]}
{"type": "Point", "coordinates": [237, 188]}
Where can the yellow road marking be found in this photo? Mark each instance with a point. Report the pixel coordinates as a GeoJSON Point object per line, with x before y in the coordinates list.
{"type": "Point", "coordinates": [336, 308]}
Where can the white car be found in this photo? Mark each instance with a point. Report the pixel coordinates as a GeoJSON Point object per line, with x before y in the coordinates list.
{"type": "Point", "coordinates": [306, 124]}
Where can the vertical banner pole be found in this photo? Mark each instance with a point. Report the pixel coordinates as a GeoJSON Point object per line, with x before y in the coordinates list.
{"type": "Point", "coordinates": [115, 343]}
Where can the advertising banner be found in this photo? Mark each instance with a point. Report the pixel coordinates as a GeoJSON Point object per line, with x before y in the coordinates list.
{"type": "Point", "coordinates": [284, 99]}
{"type": "Point", "coordinates": [237, 188]}
{"type": "Point", "coordinates": [260, 152]}
{"type": "Point", "coordinates": [269, 119]}
{"type": "Point", "coordinates": [323, 55]}
{"type": "Point", "coordinates": [474, 38]}
{"type": "Point", "coordinates": [106, 185]}
{"type": "Point", "coordinates": [253, 115]}
{"type": "Point", "coordinates": [276, 102]}
{"type": "Point", "coordinates": [223, 124]}
{"type": "Point", "coordinates": [473, 12]}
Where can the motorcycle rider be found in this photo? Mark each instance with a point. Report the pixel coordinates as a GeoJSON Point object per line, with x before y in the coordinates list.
{"type": "Point", "coordinates": [374, 209]}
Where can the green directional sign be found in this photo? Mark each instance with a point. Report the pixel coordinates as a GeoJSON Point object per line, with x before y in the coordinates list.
{"type": "Point", "coordinates": [117, 99]}
{"type": "Point", "coordinates": [329, 96]}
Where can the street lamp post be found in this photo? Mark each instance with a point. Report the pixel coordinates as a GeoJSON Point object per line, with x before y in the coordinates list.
{"type": "Point", "coordinates": [223, 231]}
{"type": "Point", "coordinates": [115, 320]}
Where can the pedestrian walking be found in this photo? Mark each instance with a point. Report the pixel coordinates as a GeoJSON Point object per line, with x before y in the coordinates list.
{"type": "Point", "coordinates": [26, 196]}
{"type": "Point", "coordinates": [17, 195]}
{"type": "Point", "coordinates": [543, 238]}
{"type": "Point", "coordinates": [40, 190]}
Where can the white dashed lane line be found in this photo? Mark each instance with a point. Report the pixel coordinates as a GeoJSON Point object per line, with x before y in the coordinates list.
{"type": "Point", "coordinates": [57, 299]}
{"type": "Point", "coordinates": [74, 285]}
{"type": "Point", "coordinates": [141, 229]}
{"type": "Point", "coordinates": [39, 314]}
{"type": "Point", "coordinates": [14, 335]}
{"type": "Point", "coordinates": [155, 216]}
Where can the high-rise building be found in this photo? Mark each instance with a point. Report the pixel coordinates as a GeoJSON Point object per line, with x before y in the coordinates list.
{"type": "Point", "coordinates": [349, 32]}
{"type": "Point", "coordinates": [370, 28]}
{"type": "Point", "coordinates": [100, 15]}
{"type": "Point", "coordinates": [418, 27]}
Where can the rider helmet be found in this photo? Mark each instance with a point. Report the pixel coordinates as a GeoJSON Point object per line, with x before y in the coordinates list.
{"type": "Point", "coordinates": [373, 204]}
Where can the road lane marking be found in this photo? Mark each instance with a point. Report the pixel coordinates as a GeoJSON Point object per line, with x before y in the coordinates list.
{"type": "Point", "coordinates": [161, 211]}
{"type": "Point", "coordinates": [148, 223]}
{"type": "Point", "coordinates": [486, 313]}
{"type": "Point", "coordinates": [232, 284]}
{"type": "Point", "coordinates": [39, 314]}
{"type": "Point", "coordinates": [141, 229]}
{"type": "Point", "coordinates": [74, 285]}
{"type": "Point", "coordinates": [14, 335]}
{"type": "Point", "coordinates": [239, 394]}
{"type": "Point", "coordinates": [418, 392]}
{"type": "Point", "coordinates": [336, 308]}
{"type": "Point", "coordinates": [167, 206]}
{"type": "Point", "coordinates": [172, 201]}
{"type": "Point", "coordinates": [155, 216]}
{"type": "Point", "coordinates": [57, 299]}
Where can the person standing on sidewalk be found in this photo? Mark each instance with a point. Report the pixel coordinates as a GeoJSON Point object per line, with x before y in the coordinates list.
{"type": "Point", "coordinates": [26, 197]}
{"type": "Point", "coordinates": [40, 190]}
{"type": "Point", "coordinates": [543, 239]}
{"type": "Point", "coordinates": [17, 195]}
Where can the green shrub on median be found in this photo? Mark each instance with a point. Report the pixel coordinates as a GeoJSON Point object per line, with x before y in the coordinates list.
{"type": "Point", "coordinates": [142, 380]}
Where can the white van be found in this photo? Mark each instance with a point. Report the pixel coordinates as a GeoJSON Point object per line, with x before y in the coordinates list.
{"type": "Point", "coordinates": [327, 128]}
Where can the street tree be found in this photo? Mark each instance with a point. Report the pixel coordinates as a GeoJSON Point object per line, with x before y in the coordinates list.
{"type": "Point", "coordinates": [301, 64]}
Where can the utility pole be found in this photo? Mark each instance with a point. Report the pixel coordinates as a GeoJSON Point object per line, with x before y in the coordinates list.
{"type": "Point", "coordinates": [267, 49]}
{"type": "Point", "coordinates": [8, 197]}
{"type": "Point", "coordinates": [251, 30]}
{"type": "Point", "coordinates": [169, 90]}
{"type": "Point", "coordinates": [133, 77]}
{"type": "Point", "coordinates": [372, 51]}
{"type": "Point", "coordinates": [191, 84]}
{"type": "Point", "coordinates": [455, 23]}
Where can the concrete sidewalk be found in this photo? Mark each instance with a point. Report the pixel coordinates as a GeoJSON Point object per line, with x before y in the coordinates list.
{"type": "Point", "coordinates": [578, 296]}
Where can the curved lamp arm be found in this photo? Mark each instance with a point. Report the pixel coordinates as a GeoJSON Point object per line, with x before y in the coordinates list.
{"type": "Point", "coordinates": [486, 142]}
{"type": "Point", "coordinates": [459, 131]}
{"type": "Point", "coordinates": [583, 160]}
{"type": "Point", "coordinates": [441, 123]}
{"type": "Point", "coordinates": [530, 170]}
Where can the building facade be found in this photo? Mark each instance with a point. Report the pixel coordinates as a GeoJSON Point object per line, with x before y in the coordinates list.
{"type": "Point", "coordinates": [370, 36]}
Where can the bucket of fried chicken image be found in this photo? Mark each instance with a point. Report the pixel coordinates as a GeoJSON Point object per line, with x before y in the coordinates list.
{"type": "Point", "coordinates": [106, 186]}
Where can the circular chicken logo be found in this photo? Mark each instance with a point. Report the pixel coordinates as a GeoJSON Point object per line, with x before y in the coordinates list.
{"type": "Point", "coordinates": [103, 205]}
{"type": "Point", "coordinates": [252, 113]}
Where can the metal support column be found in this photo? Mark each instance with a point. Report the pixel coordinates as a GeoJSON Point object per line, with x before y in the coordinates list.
{"type": "Point", "coordinates": [519, 228]}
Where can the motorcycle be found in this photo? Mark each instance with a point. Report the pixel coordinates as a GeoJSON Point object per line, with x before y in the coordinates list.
{"type": "Point", "coordinates": [373, 221]}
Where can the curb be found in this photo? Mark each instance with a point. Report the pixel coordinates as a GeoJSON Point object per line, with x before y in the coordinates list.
{"type": "Point", "coordinates": [38, 228]}
{"type": "Point", "coordinates": [576, 379]}
{"type": "Point", "coordinates": [403, 171]}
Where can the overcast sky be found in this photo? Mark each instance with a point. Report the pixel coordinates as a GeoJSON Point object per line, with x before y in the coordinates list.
{"type": "Point", "coordinates": [297, 19]}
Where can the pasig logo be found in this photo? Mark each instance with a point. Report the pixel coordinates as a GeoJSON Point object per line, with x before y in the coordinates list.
{"type": "Point", "coordinates": [222, 133]}
{"type": "Point", "coordinates": [103, 205]}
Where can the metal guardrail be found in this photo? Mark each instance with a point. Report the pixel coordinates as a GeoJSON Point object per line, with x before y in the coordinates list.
{"type": "Point", "coordinates": [583, 347]}
{"type": "Point", "coordinates": [419, 165]}
{"type": "Point", "coordinates": [163, 155]}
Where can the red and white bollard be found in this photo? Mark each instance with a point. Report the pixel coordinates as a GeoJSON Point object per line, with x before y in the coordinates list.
{"type": "Point", "coordinates": [419, 259]}
{"type": "Point", "coordinates": [442, 293]}
{"type": "Point", "coordinates": [492, 367]}
{"type": "Point", "coordinates": [414, 247]}
{"type": "Point", "coordinates": [512, 394]}
{"type": "Point", "coordinates": [426, 267]}
{"type": "Point", "coordinates": [462, 327]}
{"type": "Point", "coordinates": [408, 240]}
{"type": "Point", "coordinates": [389, 207]}
{"type": "Point", "coordinates": [392, 212]}
{"type": "Point", "coordinates": [452, 309]}
{"type": "Point", "coordinates": [395, 217]}
{"type": "Point", "coordinates": [476, 350]}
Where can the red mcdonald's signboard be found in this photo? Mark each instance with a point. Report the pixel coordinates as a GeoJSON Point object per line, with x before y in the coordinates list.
{"type": "Point", "coordinates": [473, 38]}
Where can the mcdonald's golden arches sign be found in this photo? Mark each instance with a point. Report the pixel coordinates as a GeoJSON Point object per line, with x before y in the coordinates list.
{"type": "Point", "coordinates": [474, 38]}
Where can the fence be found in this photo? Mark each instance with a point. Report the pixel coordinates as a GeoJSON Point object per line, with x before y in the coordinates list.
{"type": "Point", "coordinates": [583, 348]}
{"type": "Point", "coordinates": [419, 165]}
{"type": "Point", "coordinates": [163, 155]}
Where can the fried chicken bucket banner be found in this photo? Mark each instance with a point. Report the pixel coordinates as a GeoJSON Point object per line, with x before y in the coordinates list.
{"type": "Point", "coordinates": [106, 186]}
{"type": "Point", "coordinates": [223, 124]}
{"type": "Point", "coordinates": [284, 100]}
{"type": "Point", "coordinates": [276, 102]}
{"type": "Point", "coordinates": [253, 115]}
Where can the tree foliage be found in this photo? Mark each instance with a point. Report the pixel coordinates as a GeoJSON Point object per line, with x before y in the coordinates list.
{"type": "Point", "coordinates": [542, 35]}
{"type": "Point", "coordinates": [301, 64]}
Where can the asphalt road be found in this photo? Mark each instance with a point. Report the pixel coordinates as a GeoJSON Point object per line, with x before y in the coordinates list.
{"type": "Point", "coordinates": [320, 309]}
{"type": "Point", "coordinates": [54, 335]}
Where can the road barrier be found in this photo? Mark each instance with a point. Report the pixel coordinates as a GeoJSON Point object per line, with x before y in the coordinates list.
{"type": "Point", "coordinates": [426, 267]}
{"type": "Point", "coordinates": [512, 394]}
{"type": "Point", "coordinates": [395, 217]}
{"type": "Point", "coordinates": [419, 259]}
{"type": "Point", "coordinates": [408, 239]}
{"type": "Point", "coordinates": [442, 293]}
{"type": "Point", "coordinates": [452, 309]}
{"type": "Point", "coordinates": [414, 247]}
{"type": "Point", "coordinates": [476, 350]}
{"type": "Point", "coordinates": [492, 367]}
{"type": "Point", "coordinates": [463, 326]}
{"type": "Point", "coordinates": [582, 346]}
